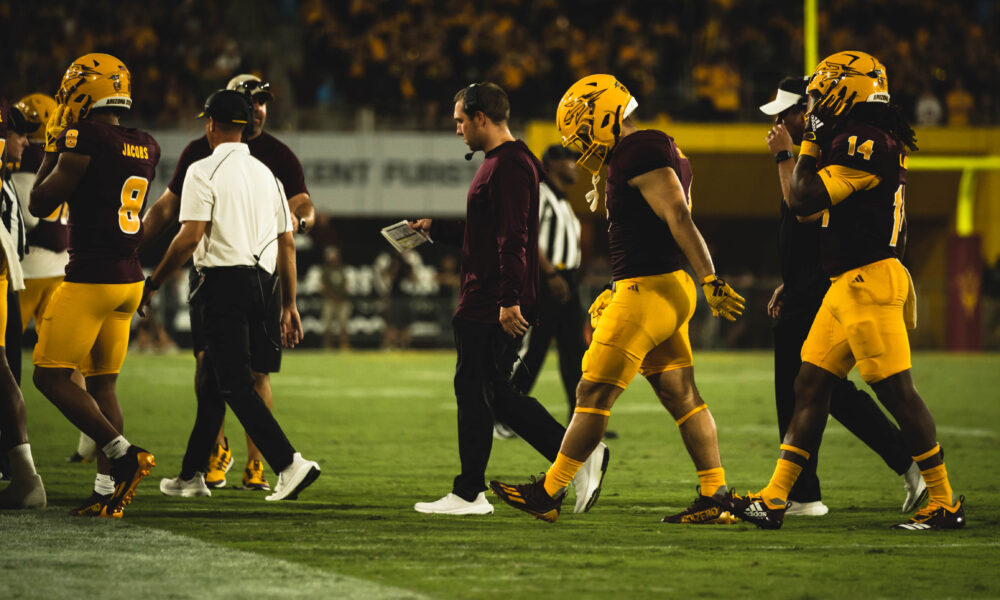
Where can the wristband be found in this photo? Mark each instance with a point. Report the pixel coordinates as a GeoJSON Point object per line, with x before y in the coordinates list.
{"type": "Point", "coordinates": [810, 149]}
{"type": "Point", "coordinates": [782, 156]}
{"type": "Point", "coordinates": [149, 284]}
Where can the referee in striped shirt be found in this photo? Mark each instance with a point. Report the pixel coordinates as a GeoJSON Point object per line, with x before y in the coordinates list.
{"type": "Point", "coordinates": [560, 313]}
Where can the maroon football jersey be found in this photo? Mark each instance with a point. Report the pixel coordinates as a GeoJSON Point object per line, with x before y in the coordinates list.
{"type": "Point", "coordinates": [864, 227]}
{"type": "Point", "coordinates": [265, 148]}
{"type": "Point", "coordinates": [640, 243]}
{"type": "Point", "coordinates": [104, 223]}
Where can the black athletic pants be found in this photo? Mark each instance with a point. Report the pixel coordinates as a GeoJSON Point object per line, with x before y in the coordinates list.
{"type": "Point", "coordinates": [12, 343]}
{"type": "Point", "coordinates": [237, 318]}
{"type": "Point", "coordinates": [854, 408]}
{"type": "Point", "coordinates": [484, 390]}
{"type": "Point", "coordinates": [564, 322]}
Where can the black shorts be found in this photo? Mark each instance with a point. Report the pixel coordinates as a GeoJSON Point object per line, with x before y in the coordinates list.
{"type": "Point", "coordinates": [264, 326]}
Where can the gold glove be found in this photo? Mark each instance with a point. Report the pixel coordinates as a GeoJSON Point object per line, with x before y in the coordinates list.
{"type": "Point", "coordinates": [61, 118]}
{"type": "Point", "coordinates": [597, 308]}
{"type": "Point", "coordinates": [723, 299]}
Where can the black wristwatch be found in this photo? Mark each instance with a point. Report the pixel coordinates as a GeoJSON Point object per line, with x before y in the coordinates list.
{"type": "Point", "coordinates": [302, 226]}
{"type": "Point", "coordinates": [782, 156]}
{"type": "Point", "coordinates": [150, 285]}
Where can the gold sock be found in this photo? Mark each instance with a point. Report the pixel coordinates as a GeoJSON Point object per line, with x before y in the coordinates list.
{"type": "Point", "coordinates": [560, 474]}
{"type": "Point", "coordinates": [938, 486]}
{"type": "Point", "coordinates": [776, 493]}
{"type": "Point", "coordinates": [711, 480]}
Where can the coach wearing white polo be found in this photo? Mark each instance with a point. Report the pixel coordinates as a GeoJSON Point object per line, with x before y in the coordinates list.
{"type": "Point", "coordinates": [235, 221]}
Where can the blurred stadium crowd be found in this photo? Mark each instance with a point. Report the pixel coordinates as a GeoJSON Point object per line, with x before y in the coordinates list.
{"type": "Point", "coordinates": [712, 60]}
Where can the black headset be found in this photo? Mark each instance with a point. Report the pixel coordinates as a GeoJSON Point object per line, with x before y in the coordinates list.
{"type": "Point", "coordinates": [470, 106]}
{"type": "Point", "coordinates": [472, 103]}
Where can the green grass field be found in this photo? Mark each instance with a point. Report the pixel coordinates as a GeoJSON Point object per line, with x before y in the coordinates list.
{"type": "Point", "coordinates": [382, 426]}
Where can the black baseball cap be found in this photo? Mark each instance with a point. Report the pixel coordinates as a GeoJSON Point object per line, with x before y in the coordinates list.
{"type": "Point", "coordinates": [558, 152]}
{"type": "Point", "coordinates": [791, 91]}
{"type": "Point", "coordinates": [19, 122]}
{"type": "Point", "coordinates": [227, 106]}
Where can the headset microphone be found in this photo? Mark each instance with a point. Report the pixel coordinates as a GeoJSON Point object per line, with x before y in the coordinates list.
{"type": "Point", "coordinates": [468, 155]}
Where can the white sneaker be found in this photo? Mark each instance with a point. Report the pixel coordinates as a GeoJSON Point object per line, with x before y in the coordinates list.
{"type": "Point", "coordinates": [915, 486]}
{"type": "Point", "coordinates": [502, 432]}
{"type": "Point", "coordinates": [185, 488]}
{"type": "Point", "coordinates": [456, 505]}
{"type": "Point", "coordinates": [806, 509]}
{"type": "Point", "coordinates": [24, 494]}
{"type": "Point", "coordinates": [294, 478]}
{"type": "Point", "coordinates": [589, 478]}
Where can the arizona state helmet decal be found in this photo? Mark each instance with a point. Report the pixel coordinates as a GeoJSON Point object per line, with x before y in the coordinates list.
{"type": "Point", "coordinates": [95, 81]}
{"type": "Point", "coordinates": [849, 77]}
{"type": "Point", "coordinates": [590, 116]}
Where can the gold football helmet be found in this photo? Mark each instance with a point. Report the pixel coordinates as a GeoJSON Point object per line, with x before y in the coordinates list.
{"type": "Point", "coordinates": [37, 108]}
{"type": "Point", "coordinates": [843, 79]}
{"type": "Point", "coordinates": [590, 116]}
{"type": "Point", "coordinates": [95, 81]}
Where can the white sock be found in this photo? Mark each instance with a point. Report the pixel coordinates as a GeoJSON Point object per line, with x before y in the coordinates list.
{"type": "Point", "coordinates": [116, 448]}
{"type": "Point", "coordinates": [104, 485]}
{"type": "Point", "coordinates": [22, 466]}
{"type": "Point", "coordinates": [86, 447]}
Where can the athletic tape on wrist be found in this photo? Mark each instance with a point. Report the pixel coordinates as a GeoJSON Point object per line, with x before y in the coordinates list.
{"type": "Point", "coordinates": [592, 411]}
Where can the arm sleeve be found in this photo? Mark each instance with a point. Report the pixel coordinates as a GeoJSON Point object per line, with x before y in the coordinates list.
{"type": "Point", "coordinates": [448, 231]}
{"type": "Point", "coordinates": [197, 197]}
{"type": "Point", "coordinates": [841, 181]}
{"type": "Point", "coordinates": [852, 164]}
{"type": "Point", "coordinates": [511, 199]}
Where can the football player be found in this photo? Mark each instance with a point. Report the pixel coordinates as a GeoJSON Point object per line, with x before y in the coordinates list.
{"type": "Point", "coordinates": [794, 306]}
{"type": "Point", "coordinates": [286, 167]}
{"type": "Point", "coordinates": [102, 171]}
{"type": "Point", "coordinates": [641, 324]}
{"type": "Point", "coordinates": [852, 169]}
{"type": "Point", "coordinates": [25, 489]}
{"type": "Point", "coordinates": [48, 238]}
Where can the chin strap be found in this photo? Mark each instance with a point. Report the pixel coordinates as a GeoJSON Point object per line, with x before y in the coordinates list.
{"type": "Point", "coordinates": [593, 195]}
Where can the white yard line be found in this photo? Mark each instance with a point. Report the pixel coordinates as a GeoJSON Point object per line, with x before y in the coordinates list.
{"type": "Point", "coordinates": [52, 556]}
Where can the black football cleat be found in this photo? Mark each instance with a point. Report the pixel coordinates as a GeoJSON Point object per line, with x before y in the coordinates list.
{"type": "Point", "coordinates": [753, 509]}
{"type": "Point", "coordinates": [706, 510]}
{"type": "Point", "coordinates": [936, 516]}
{"type": "Point", "coordinates": [127, 472]}
{"type": "Point", "coordinates": [530, 497]}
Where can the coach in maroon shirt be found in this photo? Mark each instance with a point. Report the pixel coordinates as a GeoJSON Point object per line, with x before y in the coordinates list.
{"type": "Point", "coordinates": [499, 273]}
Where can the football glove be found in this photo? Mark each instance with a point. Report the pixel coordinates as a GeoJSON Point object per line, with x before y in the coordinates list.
{"type": "Point", "coordinates": [723, 299]}
{"type": "Point", "coordinates": [819, 120]}
{"type": "Point", "coordinates": [597, 308]}
{"type": "Point", "coordinates": [61, 118]}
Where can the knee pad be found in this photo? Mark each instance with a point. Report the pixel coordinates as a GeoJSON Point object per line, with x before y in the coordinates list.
{"type": "Point", "coordinates": [604, 363]}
